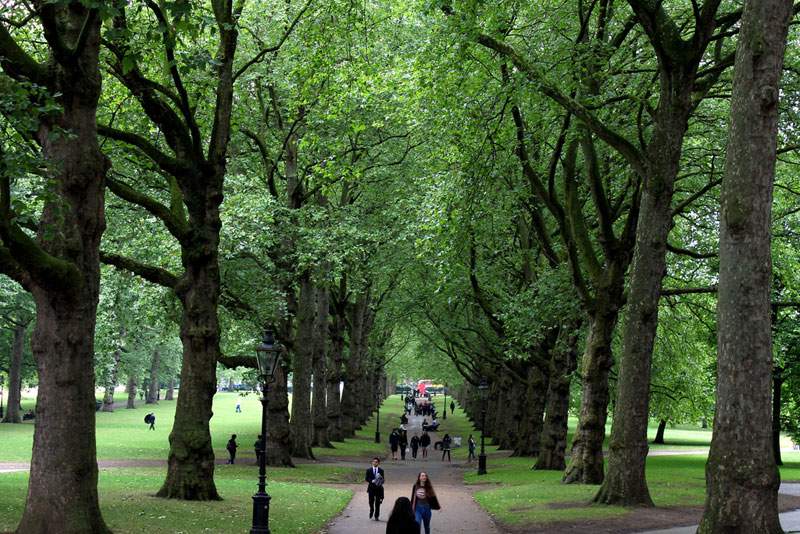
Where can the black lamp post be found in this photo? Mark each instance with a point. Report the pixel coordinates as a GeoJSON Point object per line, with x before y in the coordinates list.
{"type": "Point", "coordinates": [445, 401]}
{"type": "Point", "coordinates": [378, 417]}
{"type": "Point", "coordinates": [1, 397]}
{"type": "Point", "coordinates": [483, 390]}
{"type": "Point", "coordinates": [267, 355]}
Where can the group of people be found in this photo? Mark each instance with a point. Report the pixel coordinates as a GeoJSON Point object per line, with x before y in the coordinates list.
{"type": "Point", "coordinates": [409, 513]}
{"type": "Point", "coordinates": [232, 447]}
{"type": "Point", "coordinates": [398, 441]}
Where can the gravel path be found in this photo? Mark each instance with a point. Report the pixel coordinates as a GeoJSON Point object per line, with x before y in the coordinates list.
{"type": "Point", "coordinates": [459, 513]}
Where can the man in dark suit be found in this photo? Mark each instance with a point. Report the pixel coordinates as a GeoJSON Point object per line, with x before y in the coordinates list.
{"type": "Point", "coordinates": [374, 479]}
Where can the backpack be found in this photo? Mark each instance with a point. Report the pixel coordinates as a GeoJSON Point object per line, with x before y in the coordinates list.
{"type": "Point", "coordinates": [148, 418]}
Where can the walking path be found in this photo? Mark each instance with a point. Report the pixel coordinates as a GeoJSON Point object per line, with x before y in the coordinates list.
{"type": "Point", "coordinates": [459, 513]}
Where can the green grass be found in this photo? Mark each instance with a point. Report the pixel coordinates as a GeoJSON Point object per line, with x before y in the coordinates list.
{"type": "Point", "coordinates": [128, 505]}
{"type": "Point", "coordinates": [525, 496]}
{"type": "Point", "coordinates": [141, 443]}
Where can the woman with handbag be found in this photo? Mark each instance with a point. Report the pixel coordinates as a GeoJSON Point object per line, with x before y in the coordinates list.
{"type": "Point", "coordinates": [423, 500]}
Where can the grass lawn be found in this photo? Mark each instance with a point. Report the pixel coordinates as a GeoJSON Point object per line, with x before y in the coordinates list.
{"type": "Point", "coordinates": [129, 507]}
{"type": "Point", "coordinates": [141, 443]}
{"type": "Point", "coordinates": [526, 496]}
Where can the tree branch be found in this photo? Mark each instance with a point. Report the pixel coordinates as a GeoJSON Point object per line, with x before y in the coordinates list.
{"type": "Point", "coordinates": [156, 275]}
{"type": "Point", "coordinates": [175, 226]}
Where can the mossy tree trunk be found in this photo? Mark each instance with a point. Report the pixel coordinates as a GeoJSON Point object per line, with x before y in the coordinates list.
{"type": "Point", "coordinates": [319, 404]}
{"type": "Point", "coordinates": [742, 479]}
{"type": "Point", "coordinates": [61, 267]}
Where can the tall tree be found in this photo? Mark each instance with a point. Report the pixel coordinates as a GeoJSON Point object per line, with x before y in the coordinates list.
{"type": "Point", "coordinates": [741, 476]}
{"type": "Point", "coordinates": [60, 264]}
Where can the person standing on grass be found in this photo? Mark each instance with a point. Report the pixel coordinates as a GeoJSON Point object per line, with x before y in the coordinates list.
{"type": "Point", "coordinates": [423, 500]}
{"type": "Point", "coordinates": [425, 442]}
{"type": "Point", "coordinates": [238, 407]}
{"type": "Point", "coordinates": [151, 420]}
{"type": "Point", "coordinates": [374, 478]}
{"type": "Point", "coordinates": [446, 441]}
{"type": "Point", "coordinates": [471, 444]}
{"type": "Point", "coordinates": [232, 446]}
{"type": "Point", "coordinates": [452, 407]}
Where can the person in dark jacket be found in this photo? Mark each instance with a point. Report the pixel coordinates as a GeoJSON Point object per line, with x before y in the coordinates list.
{"type": "Point", "coordinates": [452, 407]}
{"type": "Point", "coordinates": [446, 442]}
{"type": "Point", "coordinates": [402, 520]}
{"type": "Point", "coordinates": [394, 442]}
{"type": "Point", "coordinates": [425, 442]}
{"type": "Point", "coordinates": [374, 478]}
{"type": "Point", "coordinates": [403, 443]}
{"type": "Point", "coordinates": [414, 446]}
{"type": "Point", "coordinates": [232, 446]}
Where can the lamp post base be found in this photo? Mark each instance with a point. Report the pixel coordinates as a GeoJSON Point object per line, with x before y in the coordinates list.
{"type": "Point", "coordinates": [377, 437]}
{"type": "Point", "coordinates": [481, 464]}
{"type": "Point", "coordinates": [260, 514]}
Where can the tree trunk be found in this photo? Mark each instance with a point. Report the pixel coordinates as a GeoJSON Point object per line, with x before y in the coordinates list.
{"type": "Point", "coordinates": [190, 468]}
{"type": "Point", "coordinates": [131, 388]}
{"type": "Point", "coordinates": [278, 434]}
{"type": "Point", "coordinates": [532, 408]}
{"type": "Point", "coordinates": [153, 389]}
{"type": "Point", "coordinates": [319, 406]}
{"type": "Point", "coordinates": [62, 483]}
{"type": "Point", "coordinates": [301, 421]}
{"type": "Point", "coordinates": [554, 433]}
{"type": "Point", "coordinates": [333, 399]}
{"type": "Point", "coordinates": [662, 425]}
{"type": "Point", "coordinates": [12, 414]}
{"type": "Point", "coordinates": [586, 462]}
{"type": "Point", "coordinates": [353, 372]}
{"type": "Point", "coordinates": [170, 395]}
{"type": "Point", "coordinates": [742, 479]}
{"type": "Point", "coordinates": [108, 396]}
{"type": "Point", "coordinates": [625, 483]}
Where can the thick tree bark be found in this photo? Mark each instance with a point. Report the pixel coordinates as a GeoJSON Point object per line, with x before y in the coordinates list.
{"type": "Point", "coordinates": [62, 484]}
{"type": "Point", "coordinates": [530, 428]}
{"type": "Point", "coordinates": [353, 377]}
{"type": "Point", "coordinates": [108, 396]}
{"type": "Point", "coordinates": [777, 387]}
{"type": "Point", "coordinates": [319, 405]}
{"type": "Point", "coordinates": [278, 433]}
{"type": "Point", "coordinates": [333, 398]}
{"type": "Point", "coordinates": [131, 389]}
{"type": "Point", "coordinates": [302, 366]}
{"type": "Point", "coordinates": [742, 479]}
{"type": "Point", "coordinates": [554, 433]}
{"type": "Point", "coordinates": [190, 467]}
{"type": "Point", "coordinates": [662, 425]}
{"type": "Point", "coordinates": [586, 462]}
{"type": "Point", "coordinates": [170, 395]}
{"type": "Point", "coordinates": [154, 386]}
{"type": "Point", "coordinates": [12, 414]}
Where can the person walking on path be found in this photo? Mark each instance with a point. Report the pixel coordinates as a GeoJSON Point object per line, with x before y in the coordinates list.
{"type": "Point", "coordinates": [425, 442]}
{"type": "Point", "coordinates": [471, 444]}
{"type": "Point", "coordinates": [423, 500]}
{"type": "Point", "coordinates": [414, 446]}
{"type": "Point", "coordinates": [446, 440]}
{"type": "Point", "coordinates": [394, 442]}
{"type": "Point", "coordinates": [151, 420]}
{"type": "Point", "coordinates": [403, 443]}
{"type": "Point", "coordinates": [232, 446]}
{"type": "Point", "coordinates": [402, 520]}
{"type": "Point", "coordinates": [452, 407]}
{"type": "Point", "coordinates": [374, 478]}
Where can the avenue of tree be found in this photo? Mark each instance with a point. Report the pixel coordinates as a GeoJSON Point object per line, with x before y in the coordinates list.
{"type": "Point", "coordinates": [593, 205]}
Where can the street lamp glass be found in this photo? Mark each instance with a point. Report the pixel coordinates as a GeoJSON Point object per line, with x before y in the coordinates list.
{"type": "Point", "coordinates": [483, 388]}
{"type": "Point", "coordinates": [267, 353]}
